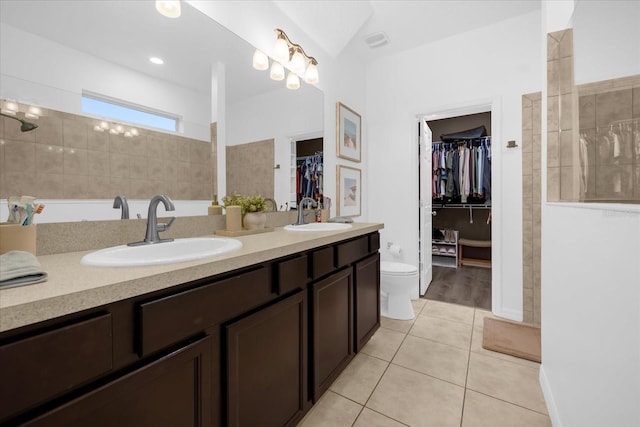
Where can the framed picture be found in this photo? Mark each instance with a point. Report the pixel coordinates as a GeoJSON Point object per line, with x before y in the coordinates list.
{"type": "Point", "coordinates": [349, 191]}
{"type": "Point", "coordinates": [349, 125]}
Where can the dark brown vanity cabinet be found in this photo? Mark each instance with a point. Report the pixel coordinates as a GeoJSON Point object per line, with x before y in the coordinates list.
{"type": "Point", "coordinates": [332, 318]}
{"type": "Point", "coordinates": [266, 367]}
{"type": "Point", "coordinates": [252, 347]}
{"type": "Point", "coordinates": [367, 299]}
{"type": "Point", "coordinates": [174, 390]}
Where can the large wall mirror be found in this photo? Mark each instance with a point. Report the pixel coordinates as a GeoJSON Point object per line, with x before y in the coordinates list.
{"type": "Point", "coordinates": [53, 52]}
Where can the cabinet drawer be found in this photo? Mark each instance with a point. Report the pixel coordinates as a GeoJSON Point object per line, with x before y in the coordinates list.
{"type": "Point", "coordinates": [351, 251]}
{"type": "Point", "coordinates": [291, 274]}
{"type": "Point", "coordinates": [171, 319]}
{"type": "Point", "coordinates": [322, 262]}
{"type": "Point", "coordinates": [47, 365]}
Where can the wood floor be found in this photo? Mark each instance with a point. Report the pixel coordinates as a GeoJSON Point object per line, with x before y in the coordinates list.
{"type": "Point", "coordinates": [470, 286]}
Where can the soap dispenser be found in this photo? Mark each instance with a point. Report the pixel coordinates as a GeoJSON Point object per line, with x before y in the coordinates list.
{"type": "Point", "coordinates": [215, 209]}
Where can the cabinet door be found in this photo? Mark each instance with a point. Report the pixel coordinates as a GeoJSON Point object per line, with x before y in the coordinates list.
{"type": "Point", "coordinates": [332, 302]}
{"type": "Point", "coordinates": [367, 296]}
{"type": "Point", "coordinates": [172, 391]}
{"type": "Point", "coordinates": [267, 365]}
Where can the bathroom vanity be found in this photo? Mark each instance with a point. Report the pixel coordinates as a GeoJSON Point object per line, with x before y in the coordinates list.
{"type": "Point", "coordinates": [250, 338]}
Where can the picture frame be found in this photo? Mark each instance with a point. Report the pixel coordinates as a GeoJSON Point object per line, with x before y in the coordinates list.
{"type": "Point", "coordinates": [349, 183]}
{"type": "Point", "coordinates": [348, 133]}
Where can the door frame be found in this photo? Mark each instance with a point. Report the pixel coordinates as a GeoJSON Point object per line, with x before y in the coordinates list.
{"type": "Point", "coordinates": [494, 106]}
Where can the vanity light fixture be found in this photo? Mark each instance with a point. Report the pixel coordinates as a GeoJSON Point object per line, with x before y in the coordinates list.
{"type": "Point", "coordinates": [168, 8]}
{"type": "Point", "coordinates": [286, 53]}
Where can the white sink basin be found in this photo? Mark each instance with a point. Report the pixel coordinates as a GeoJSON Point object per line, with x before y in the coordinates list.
{"type": "Point", "coordinates": [179, 250]}
{"type": "Point", "coordinates": [319, 226]}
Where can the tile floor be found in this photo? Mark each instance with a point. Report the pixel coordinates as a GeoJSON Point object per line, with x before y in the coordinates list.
{"type": "Point", "coordinates": [433, 371]}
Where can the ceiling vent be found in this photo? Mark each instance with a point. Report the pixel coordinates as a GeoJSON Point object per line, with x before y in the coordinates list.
{"type": "Point", "coordinates": [376, 40]}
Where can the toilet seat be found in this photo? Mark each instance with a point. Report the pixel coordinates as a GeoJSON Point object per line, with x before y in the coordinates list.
{"type": "Point", "coordinates": [397, 269]}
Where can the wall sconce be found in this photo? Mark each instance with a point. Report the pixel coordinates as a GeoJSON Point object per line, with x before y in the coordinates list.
{"type": "Point", "coordinates": [115, 129]}
{"type": "Point", "coordinates": [293, 56]}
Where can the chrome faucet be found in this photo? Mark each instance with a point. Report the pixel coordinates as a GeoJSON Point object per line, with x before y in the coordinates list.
{"type": "Point", "coordinates": [121, 202]}
{"type": "Point", "coordinates": [301, 213]}
{"type": "Point", "coordinates": [153, 228]}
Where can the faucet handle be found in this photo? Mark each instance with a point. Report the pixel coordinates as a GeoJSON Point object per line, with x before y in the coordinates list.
{"type": "Point", "coordinates": [165, 225]}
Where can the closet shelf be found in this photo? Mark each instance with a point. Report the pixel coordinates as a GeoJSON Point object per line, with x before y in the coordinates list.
{"type": "Point", "coordinates": [445, 259]}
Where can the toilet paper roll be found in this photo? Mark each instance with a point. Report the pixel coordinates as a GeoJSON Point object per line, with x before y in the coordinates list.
{"type": "Point", "coordinates": [395, 250]}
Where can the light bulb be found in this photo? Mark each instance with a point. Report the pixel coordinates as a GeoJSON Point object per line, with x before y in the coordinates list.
{"type": "Point", "coordinates": [134, 132]}
{"type": "Point", "coordinates": [260, 60]}
{"type": "Point", "coordinates": [33, 112]}
{"type": "Point", "coordinates": [169, 8]}
{"type": "Point", "coordinates": [119, 129]}
{"type": "Point", "coordinates": [277, 71]}
{"type": "Point", "coordinates": [10, 108]}
{"type": "Point", "coordinates": [293, 82]}
{"type": "Point", "coordinates": [113, 131]}
{"type": "Point", "coordinates": [104, 125]}
{"type": "Point", "coordinates": [97, 128]}
{"type": "Point", "coordinates": [127, 134]}
{"type": "Point", "coordinates": [297, 62]}
{"type": "Point", "coordinates": [311, 76]}
{"type": "Point", "coordinates": [281, 50]}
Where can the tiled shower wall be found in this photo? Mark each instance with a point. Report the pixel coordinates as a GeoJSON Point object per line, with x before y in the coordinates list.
{"type": "Point", "coordinates": [531, 205]}
{"type": "Point", "coordinates": [250, 168]}
{"type": "Point", "coordinates": [65, 158]}
{"type": "Point", "coordinates": [593, 139]}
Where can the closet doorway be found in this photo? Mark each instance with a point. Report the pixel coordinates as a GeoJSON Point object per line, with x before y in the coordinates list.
{"type": "Point", "coordinates": [458, 183]}
{"type": "Point", "coordinates": [307, 170]}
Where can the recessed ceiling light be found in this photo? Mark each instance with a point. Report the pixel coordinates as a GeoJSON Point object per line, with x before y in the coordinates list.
{"type": "Point", "coordinates": [156, 60]}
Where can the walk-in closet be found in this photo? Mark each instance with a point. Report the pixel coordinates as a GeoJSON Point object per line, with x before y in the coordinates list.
{"type": "Point", "coordinates": [460, 182]}
{"type": "Point", "coordinates": [307, 174]}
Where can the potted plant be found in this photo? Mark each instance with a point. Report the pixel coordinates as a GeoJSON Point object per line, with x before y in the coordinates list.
{"type": "Point", "coordinates": [252, 208]}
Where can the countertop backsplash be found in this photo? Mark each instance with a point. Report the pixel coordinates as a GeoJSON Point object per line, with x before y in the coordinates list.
{"type": "Point", "coordinates": [54, 238]}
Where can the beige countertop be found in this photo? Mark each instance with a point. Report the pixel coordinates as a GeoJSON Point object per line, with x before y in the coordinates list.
{"type": "Point", "coordinates": [72, 287]}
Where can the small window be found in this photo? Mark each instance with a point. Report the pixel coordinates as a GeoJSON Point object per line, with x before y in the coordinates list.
{"type": "Point", "coordinates": [121, 111]}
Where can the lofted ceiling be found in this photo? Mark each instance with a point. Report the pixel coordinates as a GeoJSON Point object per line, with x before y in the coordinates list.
{"type": "Point", "coordinates": [340, 27]}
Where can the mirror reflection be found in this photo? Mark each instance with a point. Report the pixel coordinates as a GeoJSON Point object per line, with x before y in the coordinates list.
{"type": "Point", "coordinates": [54, 53]}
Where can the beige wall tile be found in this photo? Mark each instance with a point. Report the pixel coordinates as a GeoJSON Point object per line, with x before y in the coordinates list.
{"type": "Point", "coordinates": [566, 112]}
{"type": "Point", "coordinates": [566, 44]}
{"type": "Point", "coordinates": [48, 159]}
{"type": "Point", "coordinates": [565, 75]}
{"type": "Point", "coordinates": [553, 184]}
{"type": "Point", "coordinates": [184, 172]}
{"type": "Point", "coordinates": [567, 148]}
{"type": "Point", "coordinates": [154, 169]}
{"type": "Point", "coordinates": [20, 156]}
{"type": "Point", "coordinates": [527, 141]}
{"type": "Point", "coordinates": [137, 145]}
{"type": "Point", "coordinates": [140, 189]}
{"type": "Point", "coordinates": [119, 165]}
{"type": "Point", "coordinates": [553, 149]}
{"type": "Point", "coordinates": [613, 106]}
{"type": "Point", "coordinates": [98, 187]}
{"type": "Point", "coordinates": [536, 112]}
{"type": "Point", "coordinates": [170, 170]}
{"type": "Point", "coordinates": [257, 157]}
{"type": "Point", "coordinates": [201, 191]}
{"type": "Point", "coordinates": [553, 113]}
{"type": "Point", "coordinates": [170, 148]}
{"type": "Point", "coordinates": [75, 162]}
{"type": "Point", "coordinates": [119, 144]}
{"type": "Point", "coordinates": [553, 48]}
{"type": "Point", "coordinates": [138, 167]}
{"type": "Point", "coordinates": [12, 131]}
{"type": "Point", "coordinates": [75, 186]}
{"type": "Point", "coordinates": [183, 190]}
{"type": "Point", "coordinates": [553, 77]}
{"type": "Point", "coordinates": [74, 134]}
{"type": "Point", "coordinates": [49, 130]}
{"type": "Point", "coordinates": [200, 152]}
{"type": "Point", "coordinates": [527, 119]}
{"type": "Point", "coordinates": [636, 102]}
{"type": "Point", "coordinates": [50, 186]}
{"type": "Point", "coordinates": [568, 191]}
{"type": "Point", "coordinates": [97, 141]}
{"type": "Point", "coordinates": [119, 186]}
{"type": "Point", "coordinates": [587, 111]}
{"type": "Point", "coordinates": [154, 146]}
{"type": "Point", "coordinates": [440, 403]}
{"type": "Point", "coordinates": [184, 151]}
{"type": "Point", "coordinates": [527, 163]}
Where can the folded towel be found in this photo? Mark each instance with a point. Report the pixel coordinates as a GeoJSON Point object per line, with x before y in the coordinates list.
{"type": "Point", "coordinates": [19, 268]}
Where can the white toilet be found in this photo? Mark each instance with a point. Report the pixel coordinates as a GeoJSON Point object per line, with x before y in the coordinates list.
{"type": "Point", "coordinates": [397, 282]}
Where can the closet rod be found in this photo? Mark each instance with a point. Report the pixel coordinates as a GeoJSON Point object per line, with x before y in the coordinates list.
{"type": "Point", "coordinates": [460, 206]}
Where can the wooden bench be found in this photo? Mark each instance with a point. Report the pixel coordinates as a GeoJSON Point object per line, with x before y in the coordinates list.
{"type": "Point", "coordinates": [475, 262]}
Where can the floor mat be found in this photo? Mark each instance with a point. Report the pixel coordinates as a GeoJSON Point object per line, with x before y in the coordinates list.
{"type": "Point", "coordinates": [511, 338]}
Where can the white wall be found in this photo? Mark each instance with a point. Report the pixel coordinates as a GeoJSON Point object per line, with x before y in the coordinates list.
{"type": "Point", "coordinates": [281, 114]}
{"type": "Point", "coordinates": [590, 372]}
{"type": "Point", "coordinates": [495, 65]}
{"type": "Point", "coordinates": [40, 72]}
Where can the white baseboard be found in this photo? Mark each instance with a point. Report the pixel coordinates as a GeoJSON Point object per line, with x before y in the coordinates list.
{"type": "Point", "coordinates": [548, 398]}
